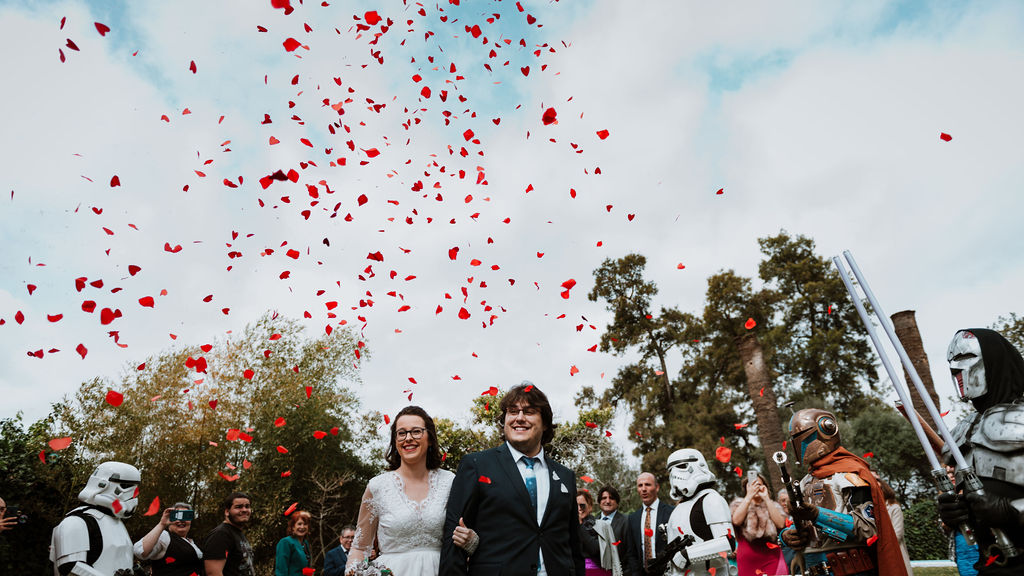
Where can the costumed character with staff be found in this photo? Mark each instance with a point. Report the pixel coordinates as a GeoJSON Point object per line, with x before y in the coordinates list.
{"type": "Point", "coordinates": [990, 447]}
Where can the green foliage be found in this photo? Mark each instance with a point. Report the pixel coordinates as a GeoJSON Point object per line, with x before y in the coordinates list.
{"type": "Point", "coordinates": [198, 435]}
{"type": "Point", "coordinates": [812, 341]}
{"type": "Point", "coordinates": [898, 456]}
{"type": "Point", "coordinates": [28, 483]}
{"type": "Point", "coordinates": [922, 532]}
{"type": "Point", "coordinates": [819, 343]}
{"type": "Point", "coordinates": [1011, 327]}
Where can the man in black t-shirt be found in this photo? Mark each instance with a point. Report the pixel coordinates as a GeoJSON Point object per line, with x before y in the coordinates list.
{"type": "Point", "coordinates": [227, 551]}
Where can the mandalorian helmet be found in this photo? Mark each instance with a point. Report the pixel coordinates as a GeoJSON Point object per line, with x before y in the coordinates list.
{"type": "Point", "coordinates": [114, 486]}
{"type": "Point", "coordinates": [687, 471]}
{"type": "Point", "coordinates": [814, 433]}
{"type": "Point", "coordinates": [967, 365]}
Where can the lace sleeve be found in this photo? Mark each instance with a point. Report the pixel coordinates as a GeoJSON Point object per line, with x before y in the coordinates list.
{"type": "Point", "coordinates": [366, 532]}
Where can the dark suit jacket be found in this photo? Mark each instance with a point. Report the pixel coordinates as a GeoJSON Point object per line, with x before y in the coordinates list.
{"type": "Point", "coordinates": [489, 494]}
{"type": "Point", "coordinates": [635, 550]}
{"type": "Point", "coordinates": [334, 562]}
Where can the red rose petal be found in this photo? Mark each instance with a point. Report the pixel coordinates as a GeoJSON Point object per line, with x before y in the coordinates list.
{"type": "Point", "coordinates": [291, 44]}
{"type": "Point", "coordinates": [749, 324]}
{"type": "Point", "coordinates": [82, 350]}
{"type": "Point", "coordinates": [102, 28]}
{"type": "Point", "coordinates": [371, 17]}
{"type": "Point", "coordinates": [58, 444]}
{"type": "Point", "coordinates": [549, 117]}
{"type": "Point", "coordinates": [723, 454]}
{"type": "Point", "coordinates": [602, 134]}
{"type": "Point", "coordinates": [154, 507]}
{"type": "Point", "coordinates": [146, 301]}
{"type": "Point", "coordinates": [291, 508]}
{"type": "Point", "coordinates": [115, 399]}
{"type": "Point", "coordinates": [248, 374]}
{"type": "Point", "coordinates": [945, 137]}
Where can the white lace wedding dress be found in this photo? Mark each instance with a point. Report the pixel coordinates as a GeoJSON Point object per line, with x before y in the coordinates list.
{"type": "Point", "coordinates": [408, 533]}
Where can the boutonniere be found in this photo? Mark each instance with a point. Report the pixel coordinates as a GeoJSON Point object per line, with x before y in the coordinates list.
{"type": "Point", "coordinates": [554, 475]}
{"type": "Point", "coordinates": [564, 489]}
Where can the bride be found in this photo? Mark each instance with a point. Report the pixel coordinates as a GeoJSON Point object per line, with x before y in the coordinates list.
{"type": "Point", "coordinates": [403, 509]}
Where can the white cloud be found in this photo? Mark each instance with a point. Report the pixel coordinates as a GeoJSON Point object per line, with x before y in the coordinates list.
{"type": "Point", "coordinates": [828, 126]}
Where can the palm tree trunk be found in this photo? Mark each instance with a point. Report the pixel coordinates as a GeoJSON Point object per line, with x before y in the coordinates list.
{"type": "Point", "coordinates": [905, 325]}
{"type": "Point", "coordinates": [762, 396]}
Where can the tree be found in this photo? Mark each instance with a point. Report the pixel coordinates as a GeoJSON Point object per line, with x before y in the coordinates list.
{"type": "Point", "coordinates": [905, 325]}
{"type": "Point", "coordinates": [797, 336]}
{"type": "Point", "coordinates": [818, 341]}
{"type": "Point", "coordinates": [694, 410]}
{"type": "Point", "coordinates": [1011, 327]}
{"type": "Point", "coordinates": [266, 413]}
{"type": "Point", "coordinates": [30, 484]}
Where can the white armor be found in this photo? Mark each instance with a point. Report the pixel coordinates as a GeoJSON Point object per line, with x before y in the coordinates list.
{"type": "Point", "coordinates": [702, 513]}
{"type": "Point", "coordinates": [70, 544]}
{"type": "Point", "coordinates": [993, 443]}
{"type": "Point", "coordinates": [111, 493]}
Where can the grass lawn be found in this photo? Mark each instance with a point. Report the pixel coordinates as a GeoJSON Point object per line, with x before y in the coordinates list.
{"type": "Point", "coordinates": [951, 571]}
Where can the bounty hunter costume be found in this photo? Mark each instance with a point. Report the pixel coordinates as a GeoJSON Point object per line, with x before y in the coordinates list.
{"type": "Point", "coordinates": [702, 513]}
{"type": "Point", "coordinates": [92, 540]}
{"type": "Point", "coordinates": [989, 372]}
{"type": "Point", "coordinates": [851, 532]}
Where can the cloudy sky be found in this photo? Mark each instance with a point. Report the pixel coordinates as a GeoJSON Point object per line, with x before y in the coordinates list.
{"type": "Point", "coordinates": [823, 119]}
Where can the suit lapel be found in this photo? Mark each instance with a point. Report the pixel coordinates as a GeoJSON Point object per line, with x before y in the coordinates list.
{"type": "Point", "coordinates": [554, 488]}
{"type": "Point", "coordinates": [511, 469]}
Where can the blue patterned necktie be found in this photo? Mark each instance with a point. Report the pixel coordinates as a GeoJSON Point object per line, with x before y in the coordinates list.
{"type": "Point", "coordinates": [531, 480]}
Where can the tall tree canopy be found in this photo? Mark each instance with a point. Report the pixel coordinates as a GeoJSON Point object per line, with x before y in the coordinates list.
{"type": "Point", "coordinates": [801, 329]}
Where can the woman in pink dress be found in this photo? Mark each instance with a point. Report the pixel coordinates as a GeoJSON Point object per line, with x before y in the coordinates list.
{"type": "Point", "coordinates": [758, 519]}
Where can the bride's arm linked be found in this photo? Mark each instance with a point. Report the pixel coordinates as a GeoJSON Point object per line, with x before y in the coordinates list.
{"type": "Point", "coordinates": [366, 533]}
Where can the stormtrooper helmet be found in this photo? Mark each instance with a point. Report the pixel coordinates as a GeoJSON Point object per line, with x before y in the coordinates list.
{"type": "Point", "coordinates": [114, 486]}
{"type": "Point", "coordinates": [687, 471]}
{"type": "Point", "coordinates": [967, 365]}
{"type": "Point", "coordinates": [814, 433]}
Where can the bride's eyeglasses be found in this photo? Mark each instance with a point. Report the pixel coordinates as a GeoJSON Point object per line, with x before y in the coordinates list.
{"type": "Point", "coordinates": [415, 433]}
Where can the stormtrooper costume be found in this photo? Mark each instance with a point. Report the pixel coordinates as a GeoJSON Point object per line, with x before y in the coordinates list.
{"type": "Point", "coordinates": [92, 540]}
{"type": "Point", "coordinates": [851, 532]}
{"type": "Point", "coordinates": [701, 513]}
{"type": "Point", "coordinates": [989, 372]}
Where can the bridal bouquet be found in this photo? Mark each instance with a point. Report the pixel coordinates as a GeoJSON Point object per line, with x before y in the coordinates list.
{"type": "Point", "coordinates": [371, 568]}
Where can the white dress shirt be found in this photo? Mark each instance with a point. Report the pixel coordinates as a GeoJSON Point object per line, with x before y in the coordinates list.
{"type": "Point", "coordinates": [654, 528]}
{"type": "Point", "coordinates": [543, 476]}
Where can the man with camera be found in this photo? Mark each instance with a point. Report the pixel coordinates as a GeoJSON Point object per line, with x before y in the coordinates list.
{"type": "Point", "coordinates": [167, 546]}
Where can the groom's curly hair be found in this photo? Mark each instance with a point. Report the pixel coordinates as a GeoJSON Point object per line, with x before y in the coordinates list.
{"type": "Point", "coordinates": [526, 394]}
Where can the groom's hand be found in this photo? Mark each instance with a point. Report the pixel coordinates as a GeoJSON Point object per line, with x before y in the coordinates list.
{"type": "Point", "coordinates": [465, 538]}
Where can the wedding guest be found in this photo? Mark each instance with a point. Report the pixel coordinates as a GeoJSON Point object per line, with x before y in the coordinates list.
{"type": "Point", "coordinates": [597, 539]}
{"type": "Point", "coordinates": [293, 550]}
{"type": "Point", "coordinates": [167, 546]}
{"type": "Point", "coordinates": [334, 561]}
{"type": "Point", "coordinates": [896, 515]}
{"type": "Point", "coordinates": [783, 499]}
{"type": "Point", "coordinates": [608, 501]}
{"type": "Point", "coordinates": [758, 519]}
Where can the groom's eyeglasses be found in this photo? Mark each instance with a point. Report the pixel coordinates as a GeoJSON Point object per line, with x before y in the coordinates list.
{"type": "Point", "coordinates": [415, 433]}
{"type": "Point", "coordinates": [528, 411]}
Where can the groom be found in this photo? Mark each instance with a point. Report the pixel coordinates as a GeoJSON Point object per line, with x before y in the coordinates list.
{"type": "Point", "coordinates": [512, 508]}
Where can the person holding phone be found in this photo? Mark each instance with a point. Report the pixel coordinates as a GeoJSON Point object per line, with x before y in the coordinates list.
{"type": "Point", "coordinates": [167, 546]}
{"type": "Point", "coordinates": [758, 520]}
